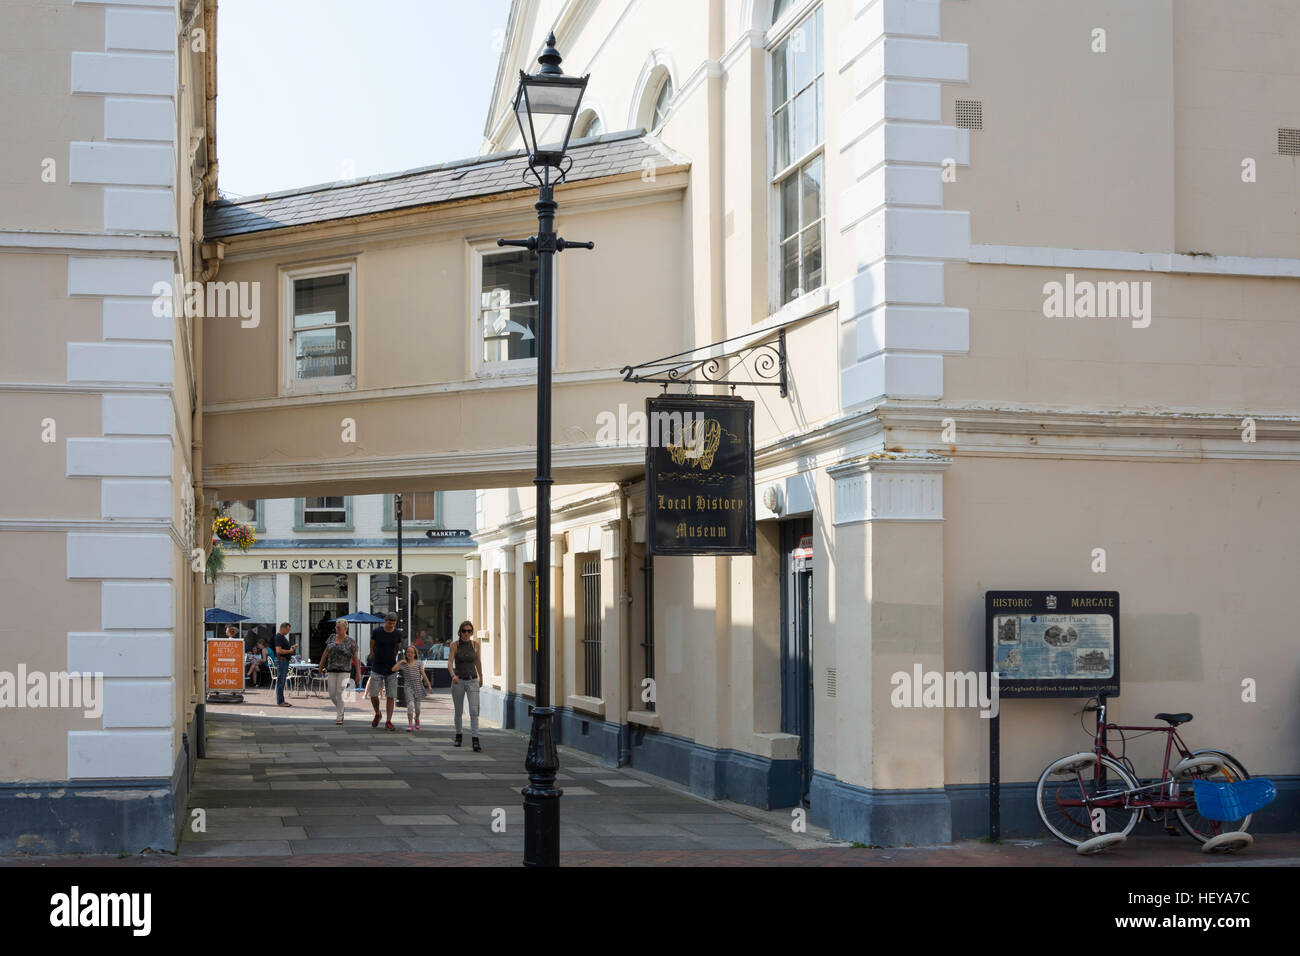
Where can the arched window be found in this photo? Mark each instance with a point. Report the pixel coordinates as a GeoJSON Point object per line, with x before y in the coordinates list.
{"type": "Point", "coordinates": [653, 93]}
{"type": "Point", "coordinates": [662, 97]}
{"type": "Point", "coordinates": [589, 124]}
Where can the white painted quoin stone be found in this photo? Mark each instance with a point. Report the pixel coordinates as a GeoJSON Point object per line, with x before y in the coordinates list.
{"type": "Point", "coordinates": [134, 166]}
{"type": "Point", "coordinates": [897, 331]}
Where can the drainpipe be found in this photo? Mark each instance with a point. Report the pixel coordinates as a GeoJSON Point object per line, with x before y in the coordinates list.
{"type": "Point", "coordinates": [209, 256]}
{"type": "Point", "coordinates": [648, 625]}
{"type": "Point", "coordinates": [210, 101]}
{"type": "Point", "coordinates": [625, 626]}
{"type": "Point", "coordinates": [717, 173]}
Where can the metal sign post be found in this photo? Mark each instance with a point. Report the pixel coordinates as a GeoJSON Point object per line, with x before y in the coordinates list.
{"type": "Point", "coordinates": [995, 757]}
{"type": "Point", "coordinates": [397, 602]}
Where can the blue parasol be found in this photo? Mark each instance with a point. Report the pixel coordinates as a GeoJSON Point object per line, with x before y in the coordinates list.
{"type": "Point", "coordinates": [216, 615]}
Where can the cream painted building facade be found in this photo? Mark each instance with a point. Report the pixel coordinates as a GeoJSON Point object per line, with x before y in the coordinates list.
{"type": "Point", "coordinates": [111, 108]}
{"type": "Point", "coordinates": [944, 435]}
{"type": "Point", "coordinates": [893, 185]}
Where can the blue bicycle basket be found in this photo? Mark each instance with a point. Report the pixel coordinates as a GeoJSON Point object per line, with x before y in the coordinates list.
{"type": "Point", "coordinates": [1232, 801]}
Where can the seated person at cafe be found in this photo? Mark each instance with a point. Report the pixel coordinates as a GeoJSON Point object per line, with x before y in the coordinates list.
{"type": "Point", "coordinates": [257, 662]}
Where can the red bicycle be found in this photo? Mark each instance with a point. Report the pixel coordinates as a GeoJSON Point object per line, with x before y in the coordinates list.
{"type": "Point", "coordinates": [1084, 795]}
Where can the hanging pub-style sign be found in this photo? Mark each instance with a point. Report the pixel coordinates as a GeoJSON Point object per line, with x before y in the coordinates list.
{"type": "Point", "coordinates": [699, 475]}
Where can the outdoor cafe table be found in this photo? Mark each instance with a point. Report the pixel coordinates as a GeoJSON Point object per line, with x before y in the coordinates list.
{"type": "Point", "coordinates": [300, 675]}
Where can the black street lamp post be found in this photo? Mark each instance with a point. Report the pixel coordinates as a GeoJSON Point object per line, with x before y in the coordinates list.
{"type": "Point", "coordinates": [547, 99]}
{"type": "Point", "coordinates": [398, 606]}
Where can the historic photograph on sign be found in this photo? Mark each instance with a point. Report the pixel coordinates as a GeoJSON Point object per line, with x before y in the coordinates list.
{"type": "Point", "coordinates": [700, 475]}
{"type": "Point", "coordinates": [1008, 630]}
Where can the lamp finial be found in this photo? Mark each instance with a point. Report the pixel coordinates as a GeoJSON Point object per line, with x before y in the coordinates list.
{"type": "Point", "coordinates": [550, 57]}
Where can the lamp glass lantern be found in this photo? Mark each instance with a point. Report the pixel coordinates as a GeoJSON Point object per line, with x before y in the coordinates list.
{"type": "Point", "coordinates": [546, 106]}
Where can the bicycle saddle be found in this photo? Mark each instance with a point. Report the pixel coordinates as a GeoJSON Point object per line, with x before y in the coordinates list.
{"type": "Point", "coordinates": [1175, 719]}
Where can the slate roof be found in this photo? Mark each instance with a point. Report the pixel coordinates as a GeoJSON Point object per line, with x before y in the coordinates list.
{"type": "Point", "coordinates": [608, 155]}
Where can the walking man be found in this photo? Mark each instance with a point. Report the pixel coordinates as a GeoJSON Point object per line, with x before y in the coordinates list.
{"type": "Point", "coordinates": [384, 641]}
{"type": "Point", "coordinates": [285, 648]}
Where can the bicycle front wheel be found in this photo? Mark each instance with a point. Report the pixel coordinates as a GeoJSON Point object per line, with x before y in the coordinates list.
{"type": "Point", "coordinates": [1083, 796]}
{"type": "Point", "coordinates": [1200, 828]}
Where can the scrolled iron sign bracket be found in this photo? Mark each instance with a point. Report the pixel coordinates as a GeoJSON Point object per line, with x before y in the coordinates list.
{"type": "Point", "coordinates": [763, 364]}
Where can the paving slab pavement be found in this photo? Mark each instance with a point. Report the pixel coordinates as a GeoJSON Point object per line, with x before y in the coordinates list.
{"type": "Point", "coordinates": [291, 782]}
{"type": "Point", "coordinates": [286, 786]}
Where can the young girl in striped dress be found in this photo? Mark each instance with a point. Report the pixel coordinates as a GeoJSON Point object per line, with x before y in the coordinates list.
{"type": "Point", "coordinates": [415, 681]}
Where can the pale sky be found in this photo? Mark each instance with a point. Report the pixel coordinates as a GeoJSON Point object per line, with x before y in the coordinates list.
{"type": "Point", "coordinates": [313, 91]}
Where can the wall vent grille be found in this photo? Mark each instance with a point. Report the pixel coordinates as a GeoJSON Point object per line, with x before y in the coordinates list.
{"type": "Point", "coordinates": [830, 682]}
{"type": "Point", "coordinates": [1288, 142]}
{"type": "Point", "coordinates": [970, 114]}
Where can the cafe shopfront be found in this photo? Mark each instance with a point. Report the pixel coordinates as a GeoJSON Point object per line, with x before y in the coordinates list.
{"type": "Point", "coordinates": [309, 589]}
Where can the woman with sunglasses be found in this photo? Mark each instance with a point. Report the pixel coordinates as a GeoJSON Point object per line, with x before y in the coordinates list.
{"type": "Point", "coordinates": [466, 678]}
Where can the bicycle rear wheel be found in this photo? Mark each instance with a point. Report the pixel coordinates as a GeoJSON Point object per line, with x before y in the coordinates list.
{"type": "Point", "coordinates": [1068, 794]}
{"type": "Point", "coordinates": [1202, 829]}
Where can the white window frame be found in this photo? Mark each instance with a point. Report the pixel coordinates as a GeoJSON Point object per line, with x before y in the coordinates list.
{"type": "Point", "coordinates": [481, 367]}
{"type": "Point", "coordinates": [776, 35]}
{"type": "Point", "coordinates": [641, 108]}
{"type": "Point", "coordinates": [308, 523]}
{"type": "Point", "coordinates": [588, 115]}
{"type": "Point", "coordinates": [290, 384]}
{"type": "Point", "coordinates": [652, 102]}
{"type": "Point", "coordinates": [390, 514]}
{"type": "Point", "coordinates": [257, 521]}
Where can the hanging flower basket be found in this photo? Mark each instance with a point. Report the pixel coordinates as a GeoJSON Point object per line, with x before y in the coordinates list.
{"type": "Point", "coordinates": [216, 560]}
{"type": "Point", "coordinates": [228, 529]}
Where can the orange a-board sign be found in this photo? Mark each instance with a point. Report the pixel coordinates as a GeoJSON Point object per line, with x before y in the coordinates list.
{"type": "Point", "coordinates": [225, 664]}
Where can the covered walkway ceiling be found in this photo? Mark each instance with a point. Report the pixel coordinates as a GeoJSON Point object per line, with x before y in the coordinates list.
{"type": "Point", "coordinates": [448, 471]}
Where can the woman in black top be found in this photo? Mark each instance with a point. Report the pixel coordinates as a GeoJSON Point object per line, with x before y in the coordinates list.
{"type": "Point", "coordinates": [466, 677]}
